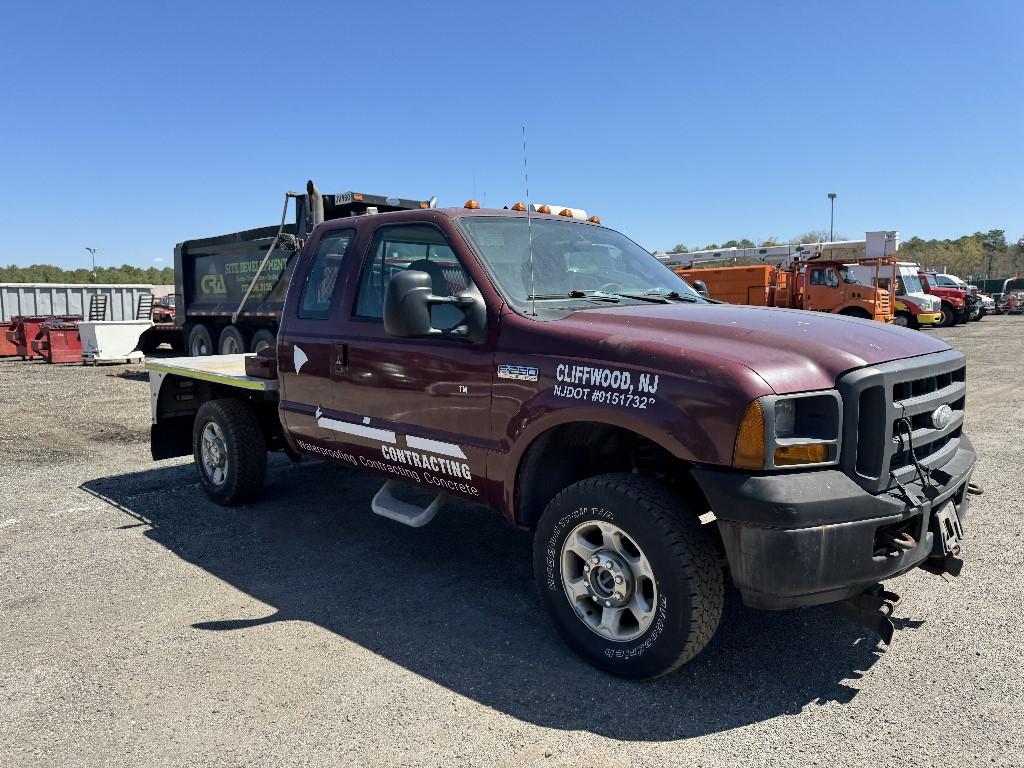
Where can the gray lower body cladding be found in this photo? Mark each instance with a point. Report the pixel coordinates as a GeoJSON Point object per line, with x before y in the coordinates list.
{"type": "Point", "coordinates": [812, 537]}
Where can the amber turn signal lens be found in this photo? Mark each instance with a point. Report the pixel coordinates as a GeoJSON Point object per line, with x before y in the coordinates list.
{"type": "Point", "coordinates": [471, 204]}
{"type": "Point", "coordinates": [518, 207]}
{"type": "Point", "coordinates": [594, 219]}
{"type": "Point", "coordinates": [357, 197]}
{"type": "Point", "coordinates": [788, 455]}
{"type": "Point", "coordinates": [543, 209]}
{"type": "Point", "coordinates": [748, 452]}
{"type": "Point", "coordinates": [565, 212]}
{"type": "Point", "coordinates": [424, 205]}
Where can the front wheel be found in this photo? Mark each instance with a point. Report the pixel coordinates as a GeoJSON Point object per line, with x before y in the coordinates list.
{"type": "Point", "coordinates": [627, 576]}
{"type": "Point", "coordinates": [947, 316]}
{"type": "Point", "coordinates": [230, 451]}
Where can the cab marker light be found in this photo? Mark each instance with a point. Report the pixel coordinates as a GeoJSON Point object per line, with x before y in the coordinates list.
{"type": "Point", "coordinates": [518, 207]}
{"type": "Point", "coordinates": [472, 204]}
{"type": "Point", "coordinates": [594, 219]}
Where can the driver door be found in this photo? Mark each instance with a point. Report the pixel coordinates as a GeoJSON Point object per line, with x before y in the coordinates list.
{"type": "Point", "coordinates": [822, 283]}
{"type": "Point", "coordinates": [417, 409]}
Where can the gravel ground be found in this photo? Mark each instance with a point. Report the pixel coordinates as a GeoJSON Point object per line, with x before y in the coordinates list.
{"type": "Point", "coordinates": [142, 625]}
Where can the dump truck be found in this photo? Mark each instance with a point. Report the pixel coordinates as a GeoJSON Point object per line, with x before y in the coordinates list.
{"type": "Point", "coordinates": [230, 289]}
{"type": "Point", "coordinates": [657, 445]}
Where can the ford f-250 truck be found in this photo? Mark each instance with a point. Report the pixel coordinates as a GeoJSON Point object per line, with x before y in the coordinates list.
{"type": "Point", "coordinates": [658, 445]}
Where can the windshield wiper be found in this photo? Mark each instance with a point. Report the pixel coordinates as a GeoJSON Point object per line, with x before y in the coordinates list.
{"type": "Point", "coordinates": [591, 295]}
{"type": "Point", "coordinates": [657, 297]}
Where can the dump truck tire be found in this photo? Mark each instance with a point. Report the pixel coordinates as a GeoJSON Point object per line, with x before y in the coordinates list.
{"type": "Point", "coordinates": [627, 576]}
{"type": "Point", "coordinates": [230, 451]}
{"type": "Point", "coordinates": [232, 341]}
{"type": "Point", "coordinates": [200, 342]}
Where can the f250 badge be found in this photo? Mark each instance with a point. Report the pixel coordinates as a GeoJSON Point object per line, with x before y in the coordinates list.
{"type": "Point", "coordinates": [518, 372]}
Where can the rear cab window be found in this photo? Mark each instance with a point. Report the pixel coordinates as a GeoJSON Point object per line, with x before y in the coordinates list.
{"type": "Point", "coordinates": [319, 288]}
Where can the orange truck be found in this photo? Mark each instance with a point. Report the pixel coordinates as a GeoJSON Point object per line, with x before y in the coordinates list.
{"type": "Point", "coordinates": [820, 286]}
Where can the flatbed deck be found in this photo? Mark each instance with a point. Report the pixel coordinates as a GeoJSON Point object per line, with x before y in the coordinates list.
{"type": "Point", "coordinates": [220, 369]}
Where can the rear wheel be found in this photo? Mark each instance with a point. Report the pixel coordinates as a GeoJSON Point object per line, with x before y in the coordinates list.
{"type": "Point", "coordinates": [261, 340]}
{"type": "Point", "coordinates": [233, 341]}
{"type": "Point", "coordinates": [627, 576]}
{"type": "Point", "coordinates": [230, 451]}
{"type": "Point", "coordinates": [200, 343]}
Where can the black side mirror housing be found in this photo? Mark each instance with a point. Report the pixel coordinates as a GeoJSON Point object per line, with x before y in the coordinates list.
{"type": "Point", "coordinates": [407, 304]}
{"type": "Point", "coordinates": [701, 287]}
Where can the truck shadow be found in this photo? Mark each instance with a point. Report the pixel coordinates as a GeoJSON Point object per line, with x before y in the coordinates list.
{"type": "Point", "coordinates": [455, 602]}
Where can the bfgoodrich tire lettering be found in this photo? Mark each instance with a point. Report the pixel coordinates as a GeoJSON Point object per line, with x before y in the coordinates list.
{"type": "Point", "coordinates": [688, 579]}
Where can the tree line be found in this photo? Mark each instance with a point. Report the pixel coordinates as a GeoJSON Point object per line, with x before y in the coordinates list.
{"type": "Point", "coordinates": [977, 256]}
{"type": "Point", "coordinates": [126, 273]}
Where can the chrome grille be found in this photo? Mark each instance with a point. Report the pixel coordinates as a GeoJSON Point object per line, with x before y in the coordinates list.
{"type": "Point", "coordinates": [875, 401]}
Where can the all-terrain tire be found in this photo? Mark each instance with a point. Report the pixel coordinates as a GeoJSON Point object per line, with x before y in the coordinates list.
{"type": "Point", "coordinates": [244, 448]}
{"type": "Point", "coordinates": [687, 574]}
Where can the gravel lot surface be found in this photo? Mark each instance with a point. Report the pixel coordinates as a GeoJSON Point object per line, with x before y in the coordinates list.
{"type": "Point", "coordinates": [142, 625]}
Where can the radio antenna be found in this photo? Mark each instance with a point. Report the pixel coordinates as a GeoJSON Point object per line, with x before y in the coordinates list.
{"type": "Point", "coordinates": [529, 229]}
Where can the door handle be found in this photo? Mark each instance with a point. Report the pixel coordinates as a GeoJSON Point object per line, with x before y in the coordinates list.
{"type": "Point", "coordinates": [339, 363]}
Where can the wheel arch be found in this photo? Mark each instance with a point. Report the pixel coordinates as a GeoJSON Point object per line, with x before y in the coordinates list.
{"type": "Point", "coordinates": [568, 452]}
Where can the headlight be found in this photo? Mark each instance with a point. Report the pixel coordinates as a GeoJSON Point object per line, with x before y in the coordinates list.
{"type": "Point", "coordinates": [779, 431]}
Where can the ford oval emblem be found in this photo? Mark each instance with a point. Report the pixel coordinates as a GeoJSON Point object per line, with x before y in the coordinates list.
{"type": "Point", "coordinates": [392, 200]}
{"type": "Point", "coordinates": [942, 416]}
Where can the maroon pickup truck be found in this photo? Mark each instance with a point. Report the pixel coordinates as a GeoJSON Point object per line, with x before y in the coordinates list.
{"type": "Point", "coordinates": [658, 445]}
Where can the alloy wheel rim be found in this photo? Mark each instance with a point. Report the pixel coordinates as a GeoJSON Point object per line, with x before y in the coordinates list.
{"type": "Point", "coordinates": [608, 581]}
{"type": "Point", "coordinates": [213, 453]}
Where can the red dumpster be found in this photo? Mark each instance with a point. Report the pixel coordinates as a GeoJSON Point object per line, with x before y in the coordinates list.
{"type": "Point", "coordinates": [58, 342]}
{"type": "Point", "coordinates": [7, 346]}
{"type": "Point", "coordinates": [25, 329]}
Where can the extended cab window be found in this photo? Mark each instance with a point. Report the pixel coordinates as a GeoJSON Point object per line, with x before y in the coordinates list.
{"type": "Point", "coordinates": [318, 290]}
{"type": "Point", "coordinates": [420, 247]}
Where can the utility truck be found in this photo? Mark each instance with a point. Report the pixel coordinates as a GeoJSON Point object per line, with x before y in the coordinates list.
{"type": "Point", "coordinates": [812, 276]}
{"type": "Point", "coordinates": [657, 445]}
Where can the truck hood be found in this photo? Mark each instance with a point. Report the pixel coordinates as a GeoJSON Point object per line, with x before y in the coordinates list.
{"type": "Point", "coordinates": [792, 350]}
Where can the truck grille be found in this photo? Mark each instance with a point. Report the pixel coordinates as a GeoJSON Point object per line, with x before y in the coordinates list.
{"type": "Point", "coordinates": [876, 402]}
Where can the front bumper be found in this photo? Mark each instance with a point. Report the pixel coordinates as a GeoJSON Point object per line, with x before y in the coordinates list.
{"type": "Point", "coordinates": [808, 538]}
{"type": "Point", "coordinates": [928, 318]}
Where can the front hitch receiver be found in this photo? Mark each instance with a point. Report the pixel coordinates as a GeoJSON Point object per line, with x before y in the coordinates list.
{"type": "Point", "coordinates": [873, 609]}
{"type": "Point", "coordinates": [947, 567]}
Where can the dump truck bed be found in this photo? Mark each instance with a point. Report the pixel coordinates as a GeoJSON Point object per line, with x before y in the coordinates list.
{"type": "Point", "coordinates": [218, 369]}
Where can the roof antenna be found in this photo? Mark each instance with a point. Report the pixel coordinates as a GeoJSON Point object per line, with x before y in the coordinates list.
{"type": "Point", "coordinates": [529, 229]}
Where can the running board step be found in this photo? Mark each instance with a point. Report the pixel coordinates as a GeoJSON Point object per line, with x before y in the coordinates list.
{"type": "Point", "coordinates": [386, 505]}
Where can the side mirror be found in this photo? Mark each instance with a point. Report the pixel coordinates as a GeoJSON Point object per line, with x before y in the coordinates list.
{"type": "Point", "coordinates": [409, 298]}
{"type": "Point", "coordinates": [701, 287]}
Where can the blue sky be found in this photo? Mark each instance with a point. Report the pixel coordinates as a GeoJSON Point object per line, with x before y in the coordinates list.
{"type": "Point", "coordinates": [132, 126]}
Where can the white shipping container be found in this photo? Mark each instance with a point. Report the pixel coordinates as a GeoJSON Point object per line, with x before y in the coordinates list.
{"type": "Point", "coordinates": [68, 299]}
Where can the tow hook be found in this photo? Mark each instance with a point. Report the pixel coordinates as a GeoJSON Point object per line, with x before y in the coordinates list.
{"type": "Point", "coordinates": [873, 609]}
{"type": "Point", "coordinates": [974, 489]}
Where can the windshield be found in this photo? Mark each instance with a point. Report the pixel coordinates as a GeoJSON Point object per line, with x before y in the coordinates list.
{"type": "Point", "coordinates": [570, 261]}
{"type": "Point", "coordinates": [909, 282]}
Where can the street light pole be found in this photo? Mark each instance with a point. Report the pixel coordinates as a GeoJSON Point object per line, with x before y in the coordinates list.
{"type": "Point", "coordinates": [832, 217]}
{"type": "Point", "coordinates": [93, 252]}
